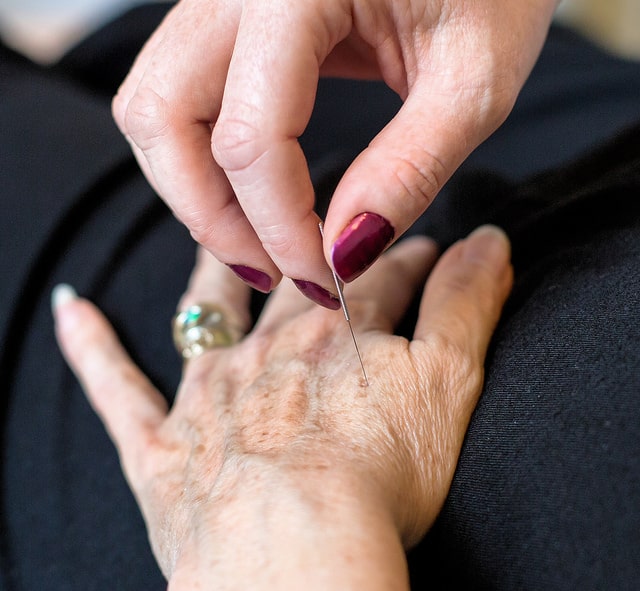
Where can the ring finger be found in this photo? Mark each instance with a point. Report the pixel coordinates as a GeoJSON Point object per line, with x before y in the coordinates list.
{"type": "Point", "coordinates": [212, 284]}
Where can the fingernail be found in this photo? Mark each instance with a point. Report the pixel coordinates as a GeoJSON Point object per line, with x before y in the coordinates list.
{"type": "Point", "coordinates": [62, 294]}
{"type": "Point", "coordinates": [256, 279]}
{"type": "Point", "coordinates": [317, 294]}
{"type": "Point", "coordinates": [489, 245]}
{"type": "Point", "coordinates": [360, 244]}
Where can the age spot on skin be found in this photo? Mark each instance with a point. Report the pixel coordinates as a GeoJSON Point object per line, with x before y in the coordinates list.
{"type": "Point", "coordinates": [269, 418]}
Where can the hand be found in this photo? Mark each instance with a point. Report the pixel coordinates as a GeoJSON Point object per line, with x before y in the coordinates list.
{"type": "Point", "coordinates": [216, 101]}
{"type": "Point", "coordinates": [276, 468]}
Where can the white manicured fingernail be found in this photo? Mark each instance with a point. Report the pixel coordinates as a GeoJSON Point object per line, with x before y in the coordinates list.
{"type": "Point", "coordinates": [62, 294]}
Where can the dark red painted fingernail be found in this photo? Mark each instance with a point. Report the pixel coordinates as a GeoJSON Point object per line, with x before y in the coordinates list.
{"type": "Point", "coordinates": [317, 294]}
{"type": "Point", "coordinates": [256, 279]}
{"type": "Point", "coordinates": [360, 244]}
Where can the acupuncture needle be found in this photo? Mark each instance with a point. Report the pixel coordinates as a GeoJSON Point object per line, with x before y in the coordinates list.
{"type": "Point", "coordinates": [345, 311]}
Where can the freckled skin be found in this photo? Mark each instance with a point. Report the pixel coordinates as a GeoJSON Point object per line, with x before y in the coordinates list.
{"type": "Point", "coordinates": [308, 412]}
{"type": "Point", "coordinates": [271, 421]}
{"type": "Point", "coordinates": [275, 469]}
{"type": "Point", "coordinates": [272, 412]}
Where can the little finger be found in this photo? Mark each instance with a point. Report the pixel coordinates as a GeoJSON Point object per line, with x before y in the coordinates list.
{"type": "Point", "coordinates": [122, 396]}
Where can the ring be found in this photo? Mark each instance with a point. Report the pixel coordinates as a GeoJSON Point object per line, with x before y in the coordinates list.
{"type": "Point", "coordinates": [202, 327]}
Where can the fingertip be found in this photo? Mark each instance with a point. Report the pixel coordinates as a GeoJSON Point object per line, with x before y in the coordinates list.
{"type": "Point", "coordinates": [64, 313]}
{"type": "Point", "coordinates": [317, 294]}
{"type": "Point", "coordinates": [61, 295]}
{"type": "Point", "coordinates": [254, 278]}
{"type": "Point", "coordinates": [468, 288]}
{"type": "Point", "coordinates": [487, 249]}
{"type": "Point", "coordinates": [359, 244]}
{"type": "Point", "coordinates": [489, 246]}
{"type": "Point", "coordinates": [77, 323]}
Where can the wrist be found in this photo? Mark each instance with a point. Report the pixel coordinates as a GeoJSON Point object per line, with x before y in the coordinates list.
{"type": "Point", "coordinates": [311, 529]}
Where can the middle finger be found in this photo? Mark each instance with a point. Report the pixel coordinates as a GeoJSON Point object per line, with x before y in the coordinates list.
{"type": "Point", "coordinates": [392, 283]}
{"type": "Point", "coordinates": [168, 118]}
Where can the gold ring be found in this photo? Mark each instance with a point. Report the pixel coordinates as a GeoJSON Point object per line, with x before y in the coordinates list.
{"type": "Point", "coordinates": [202, 327]}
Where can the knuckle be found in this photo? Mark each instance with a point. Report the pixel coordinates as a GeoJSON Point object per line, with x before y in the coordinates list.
{"type": "Point", "coordinates": [278, 241]}
{"type": "Point", "coordinates": [458, 367]}
{"type": "Point", "coordinates": [496, 102]}
{"type": "Point", "coordinates": [200, 231]}
{"type": "Point", "coordinates": [492, 95]}
{"type": "Point", "coordinates": [472, 276]}
{"type": "Point", "coordinates": [145, 118]}
{"type": "Point", "coordinates": [119, 108]}
{"type": "Point", "coordinates": [236, 143]}
{"type": "Point", "coordinates": [421, 175]}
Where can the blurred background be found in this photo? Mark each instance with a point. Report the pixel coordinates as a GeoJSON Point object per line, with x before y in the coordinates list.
{"type": "Point", "coordinates": [44, 29]}
{"type": "Point", "coordinates": [612, 23]}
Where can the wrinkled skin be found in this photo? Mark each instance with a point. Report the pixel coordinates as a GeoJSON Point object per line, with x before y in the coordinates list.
{"type": "Point", "coordinates": [215, 103]}
{"type": "Point", "coordinates": [277, 468]}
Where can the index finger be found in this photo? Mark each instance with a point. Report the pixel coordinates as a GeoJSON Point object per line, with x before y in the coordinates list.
{"type": "Point", "coordinates": [269, 96]}
{"type": "Point", "coordinates": [166, 109]}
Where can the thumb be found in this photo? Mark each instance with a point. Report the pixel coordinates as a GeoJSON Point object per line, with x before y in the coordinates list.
{"type": "Point", "coordinates": [397, 177]}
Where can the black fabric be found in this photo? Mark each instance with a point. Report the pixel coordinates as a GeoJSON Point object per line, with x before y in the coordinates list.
{"type": "Point", "coordinates": [101, 62]}
{"type": "Point", "coordinates": [547, 492]}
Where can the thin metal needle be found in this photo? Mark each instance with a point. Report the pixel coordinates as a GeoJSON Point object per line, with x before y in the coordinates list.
{"type": "Point", "coordinates": [345, 311]}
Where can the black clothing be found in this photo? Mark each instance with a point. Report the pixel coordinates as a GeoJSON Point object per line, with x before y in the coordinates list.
{"type": "Point", "coordinates": [547, 492]}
